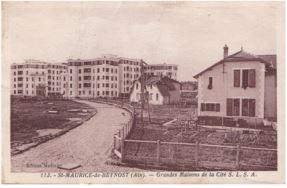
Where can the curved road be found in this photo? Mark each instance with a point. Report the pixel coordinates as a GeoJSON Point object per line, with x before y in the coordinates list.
{"type": "Point", "coordinates": [89, 145]}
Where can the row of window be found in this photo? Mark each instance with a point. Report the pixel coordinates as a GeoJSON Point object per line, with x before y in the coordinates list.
{"type": "Point", "coordinates": [89, 70]}
{"type": "Point", "coordinates": [53, 72]}
{"type": "Point", "coordinates": [131, 76]}
{"type": "Point", "coordinates": [97, 62]}
{"type": "Point", "coordinates": [27, 72]}
{"type": "Point", "coordinates": [241, 78]}
{"type": "Point", "coordinates": [233, 107]}
{"type": "Point", "coordinates": [136, 69]}
{"type": "Point", "coordinates": [98, 85]}
{"type": "Point", "coordinates": [113, 78]}
{"type": "Point", "coordinates": [112, 93]}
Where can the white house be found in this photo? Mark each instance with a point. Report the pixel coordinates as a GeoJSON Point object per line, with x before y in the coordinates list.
{"type": "Point", "coordinates": [241, 86]}
{"type": "Point", "coordinates": [161, 90]}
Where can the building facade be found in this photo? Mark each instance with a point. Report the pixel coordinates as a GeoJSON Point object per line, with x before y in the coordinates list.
{"type": "Point", "coordinates": [235, 88]}
{"type": "Point", "coordinates": [107, 76]}
{"type": "Point", "coordinates": [169, 70]}
{"type": "Point", "coordinates": [160, 90]}
{"type": "Point", "coordinates": [38, 78]}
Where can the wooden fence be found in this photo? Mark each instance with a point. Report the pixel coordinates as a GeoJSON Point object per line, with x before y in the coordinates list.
{"type": "Point", "coordinates": [193, 155]}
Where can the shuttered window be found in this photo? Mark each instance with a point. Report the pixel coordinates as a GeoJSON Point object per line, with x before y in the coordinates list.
{"type": "Point", "coordinates": [248, 107]}
{"type": "Point", "coordinates": [245, 78]}
{"type": "Point", "coordinates": [248, 78]}
{"type": "Point", "coordinates": [229, 107]}
{"type": "Point", "coordinates": [236, 82]}
{"type": "Point", "coordinates": [202, 107]}
{"type": "Point", "coordinates": [251, 107]}
{"type": "Point", "coordinates": [217, 107]}
{"type": "Point", "coordinates": [211, 107]}
{"type": "Point", "coordinates": [251, 78]}
{"type": "Point", "coordinates": [232, 107]}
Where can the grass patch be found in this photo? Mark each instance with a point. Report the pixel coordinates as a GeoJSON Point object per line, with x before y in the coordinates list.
{"type": "Point", "coordinates": [28, 116]}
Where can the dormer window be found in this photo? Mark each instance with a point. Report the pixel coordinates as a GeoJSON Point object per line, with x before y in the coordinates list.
{"type": "Point", "coordinates": [209, 83]}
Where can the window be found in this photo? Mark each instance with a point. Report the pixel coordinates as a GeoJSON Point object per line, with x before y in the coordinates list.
{"type": "Point", "coordinates": [87, 84]}
{"type": "Point", "coordinates": [71, 85]}
{"type": "Point", "coordinates": [233, 107]}
{"type": "Point", "coordinates": [98, 77]}
{"type": "Point", "coordinates": [98, 70]}
{"type": "Point", "coordinates": [236, 75]}
{"type": "Point", "coordinates": [156, 96]}
{"type": "Point", "coordinates": [80, 78]}
{"type": "Point", "coordinates": [248, 78]}
{"type": "Point", "coordinates": [137, 86]}
{"type": "Point", "coordinates": [248, 107]}
{"type": "Point", "coordinates": [71, 78]}
{"type": "Point", "coordinates": [71, 73]}
{"type": "Point", "coordinates": [87, 70]}
{"type": "Point", "coordinates": [87, 77]}
{"type": "Point", "coordinates": [80, 71]}
{"type": "Point", "coordinates": [80, 85]}
{"type": "Point", "coordinates": [209, 83]}
{"type": "Point", "coordinates": [212, 107]}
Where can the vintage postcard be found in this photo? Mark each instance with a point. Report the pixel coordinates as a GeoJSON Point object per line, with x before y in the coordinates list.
{"type": "Point", "coordinates": [143, 92]}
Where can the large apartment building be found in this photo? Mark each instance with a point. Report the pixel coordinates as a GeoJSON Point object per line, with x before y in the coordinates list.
{"type": "Point", "coordinates": [35, 77]}
{"type": "Point", "coordinates": [106, 76]}
{"type": "Point", "coordinates": [169, 70]}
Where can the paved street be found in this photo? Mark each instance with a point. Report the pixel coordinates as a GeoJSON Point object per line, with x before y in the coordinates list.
{"type": "Point", "coordinates": [89, 145]}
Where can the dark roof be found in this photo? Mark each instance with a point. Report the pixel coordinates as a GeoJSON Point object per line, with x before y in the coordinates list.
{"type": "Point", "coordinates": [238, 56]}
{"type": "Point", "coordinates": [272, 59]}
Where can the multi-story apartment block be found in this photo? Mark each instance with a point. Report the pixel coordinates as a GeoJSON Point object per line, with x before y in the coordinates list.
{"type": "Point", "coordinates": [107, 76]}
{"type": "Point", "coordinates": [37, 78]}
{"type": "Point", "coordinates": [169, 70]}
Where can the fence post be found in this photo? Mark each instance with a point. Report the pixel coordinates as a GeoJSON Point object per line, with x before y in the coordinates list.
{"type": "Point", "coordinates": [238, 157]}
{"type": "Point", "coordinates": [197, 154]}
{"type": "Point", "coordinates": [123, 132]}
{"type": "Point", "coordinates": [122, 146]}
{"type": "Point", "coordinates": [158, 151]}
{"type": "Point", "coordinates": [114, 142]}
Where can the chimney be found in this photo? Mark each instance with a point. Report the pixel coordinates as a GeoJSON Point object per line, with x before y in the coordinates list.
{"type": "Point", "coordinates": [225, 51]}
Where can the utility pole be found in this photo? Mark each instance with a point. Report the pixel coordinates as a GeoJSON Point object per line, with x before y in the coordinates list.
{"type": "Point", "coordinates": [142, 95]}
{"type": "Point", "coordinates": [148, 110]}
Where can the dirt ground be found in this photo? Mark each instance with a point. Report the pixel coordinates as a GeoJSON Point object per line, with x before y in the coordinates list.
{"type": "Point", "coordinates": [88, 145]}
{"type": "Point", "coordinates": [174, 132]}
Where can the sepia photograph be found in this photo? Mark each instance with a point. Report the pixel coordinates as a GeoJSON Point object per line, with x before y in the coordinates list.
{"type": "Point", "coordinates": [143, 92]}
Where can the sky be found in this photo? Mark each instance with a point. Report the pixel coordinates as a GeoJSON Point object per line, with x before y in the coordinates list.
{"type": "Point", "coordinates": [189, 34]}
